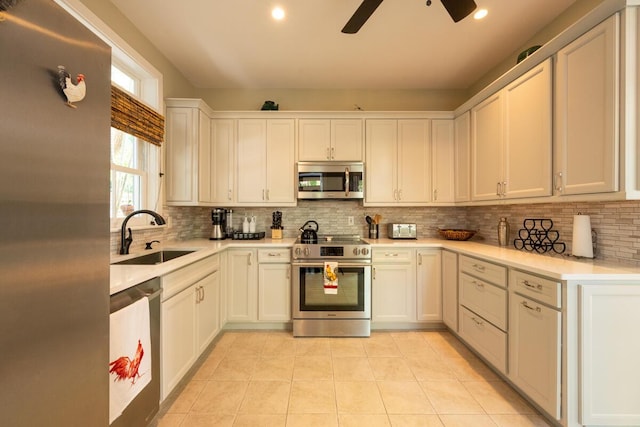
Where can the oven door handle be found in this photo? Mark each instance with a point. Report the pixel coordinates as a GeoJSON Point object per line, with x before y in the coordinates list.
{"type": "Point", "coordinates": [340, 264]}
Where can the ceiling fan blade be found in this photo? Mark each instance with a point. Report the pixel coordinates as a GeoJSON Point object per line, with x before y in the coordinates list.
{"type": "Point", "coordinates": [361, 16]}
{"type": "Point", "coordinates": [459, 9]}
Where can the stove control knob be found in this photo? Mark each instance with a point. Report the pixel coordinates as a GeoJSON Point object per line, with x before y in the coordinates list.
{"type": "Point", "coordinates": [298, 251]}
{"type": "Point", "coordinates": [365, 251]}
{"type": "Point", "coordinates": [356, 251]}
{"type": "Point", "coordinates": [307, 251]}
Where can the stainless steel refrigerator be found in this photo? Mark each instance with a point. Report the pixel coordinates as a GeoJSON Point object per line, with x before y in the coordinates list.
{"type": "Point", "coordinates": [54, 220]}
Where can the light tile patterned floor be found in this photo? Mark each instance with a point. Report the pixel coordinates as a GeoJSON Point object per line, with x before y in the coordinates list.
{"type": "Point", "coordinates": [390, 379]}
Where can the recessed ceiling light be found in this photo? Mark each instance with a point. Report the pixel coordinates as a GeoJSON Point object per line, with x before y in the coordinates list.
{"type": "Point", "coordinates": [481, 13]}
{"type": "Point", "coordinates": [277, 13]}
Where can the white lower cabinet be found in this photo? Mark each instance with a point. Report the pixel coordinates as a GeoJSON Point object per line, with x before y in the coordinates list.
{"type": "Point", "coordinates": [483, 309]}
{"type": "Point", "coordinates": [429, 285]}
{"type": "Point", "coordinates": [393, 285]}
{"type": "Point", "coordinates": [207, 310]}
{"type": "Point", "coordinates": [534, 351]}
{"type": "Point", "coordinates": [450, 289]}
{"type": "Point", "coordinates": [485, 338]}
{"type": "Point", "coordinates": [242, 285]}
{"type": "Point", "coordinates": [609, 344]}
{"type": "Point", "coordinates": [274, 285]}
{"type": "Point", "coordinates": [178, 341]}
{"type": "Point", "coordinates": [189, 318]}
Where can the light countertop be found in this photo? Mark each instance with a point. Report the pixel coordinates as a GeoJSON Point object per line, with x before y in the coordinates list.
{"type": "Point", "coordinates": [555, 267]}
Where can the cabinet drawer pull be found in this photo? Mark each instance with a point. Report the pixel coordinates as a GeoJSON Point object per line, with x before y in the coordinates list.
{"type": "Point", "coordinates": [537, 286]}
{"type": "Point", "coordinates": [392, 255]}
{"type": "Point", "coordinates": [497, 189]}
{"type": "Point", "coordinates": [528, 307]}
{"type": "Point", "coordinates": [478, 284]}
{"type": "Point", "coordinates": [272, 254]}
{"type": "Point", "coordinates": [477, 322]}
{"type": "Point", "coordinates": [479, 268]}
{"type": "Point", "coordinates": [328, 156]}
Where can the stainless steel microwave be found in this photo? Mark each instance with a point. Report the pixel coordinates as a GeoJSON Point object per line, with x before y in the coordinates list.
{"type": "Point", "coordinates": [330, 180]}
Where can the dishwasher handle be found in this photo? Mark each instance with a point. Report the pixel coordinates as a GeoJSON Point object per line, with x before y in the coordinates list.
{"type": "Point", "coordinates": [150, 289]}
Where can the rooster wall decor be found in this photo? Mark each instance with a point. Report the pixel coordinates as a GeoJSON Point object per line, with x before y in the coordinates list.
{"type": "Point", "coordinates": [73, 92]}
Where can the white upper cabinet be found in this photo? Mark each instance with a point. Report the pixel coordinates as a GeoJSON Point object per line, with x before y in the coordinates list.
{"type": "Point", "coordinates": [188, 127]}
{"type": "Point", "coordinates": [216, 162]}
{"type": "Point", "coordinates": [443, 160]}
{"type": "Point", "coordinates": [330, 139]}
{"type": "Point", "coordinates": [487, 143]}
{"type": "Point", "coordinates": [398, 159]}
{"type": "Point", "coordinates": [586, 118]}
{"type": "Point", "coordinates": [265, 162]}
{"type": "Point", "coordinates": [462, 157]}
{"type": "Point", "coordinates": [512, 139]}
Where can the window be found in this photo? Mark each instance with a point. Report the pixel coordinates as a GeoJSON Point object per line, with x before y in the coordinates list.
{"type": "Point", "coordinates": [134, 163]}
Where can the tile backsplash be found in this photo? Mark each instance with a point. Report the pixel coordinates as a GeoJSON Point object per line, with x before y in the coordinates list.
{"type": "Point", "coordinates": [617, 224]}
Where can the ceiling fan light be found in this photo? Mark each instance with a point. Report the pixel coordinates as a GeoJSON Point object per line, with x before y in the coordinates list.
{"type": "Point", "coordinates": [480, 14]}
{"type": "Point", "coordinates": [459, 9]}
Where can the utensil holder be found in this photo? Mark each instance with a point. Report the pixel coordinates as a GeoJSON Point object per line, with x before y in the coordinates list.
{"type": "Point", "coordinates": [276, 233]}
{"type": "Point", "coordinates": [374, 231]}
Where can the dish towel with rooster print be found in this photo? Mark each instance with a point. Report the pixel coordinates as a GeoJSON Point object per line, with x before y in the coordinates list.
{"type": "Point", "coordinates": [331, 278]}
{"type": "Point", "coordinates": [129, 355]}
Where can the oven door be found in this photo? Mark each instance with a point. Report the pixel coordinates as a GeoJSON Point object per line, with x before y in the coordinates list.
{"type": "Point", "coordinates": [353, 300]}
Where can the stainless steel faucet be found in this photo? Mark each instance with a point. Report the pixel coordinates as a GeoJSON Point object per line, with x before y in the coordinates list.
{"type": "Point", "coordinates": [125, 242]}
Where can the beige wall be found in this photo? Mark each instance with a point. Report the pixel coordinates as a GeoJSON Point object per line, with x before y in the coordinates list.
{"type": "Point", "coordinates": [579, 9]}
{"type": "Point", "coordinates": [174, 83]}
{"type": "Point", "coordinates": [335, 100]}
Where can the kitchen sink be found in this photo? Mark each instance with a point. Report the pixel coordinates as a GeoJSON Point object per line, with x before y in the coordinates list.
{"type": "Point", "coordinates": [155, 257]}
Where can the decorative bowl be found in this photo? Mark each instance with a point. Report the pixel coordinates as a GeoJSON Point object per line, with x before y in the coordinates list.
{"type": "Point", "coordinates": [456, 233]}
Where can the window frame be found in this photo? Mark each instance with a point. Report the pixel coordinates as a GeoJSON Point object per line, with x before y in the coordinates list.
{"type": "Point", "coordinates": [127, 59]}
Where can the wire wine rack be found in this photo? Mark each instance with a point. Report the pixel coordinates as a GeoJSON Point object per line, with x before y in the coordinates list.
{"type": "Point", "coordinates": [538, 235]}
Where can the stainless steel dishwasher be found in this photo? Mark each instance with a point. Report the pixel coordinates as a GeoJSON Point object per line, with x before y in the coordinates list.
{"type": "Point", "coordinates": [145, 406]}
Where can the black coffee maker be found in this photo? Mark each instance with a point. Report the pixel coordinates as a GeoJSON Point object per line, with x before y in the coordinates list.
{"type": "Point", "coordinates": [219, 224]}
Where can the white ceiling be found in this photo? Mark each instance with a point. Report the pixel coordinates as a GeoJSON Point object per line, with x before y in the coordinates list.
{"type": "Point", "coordinates": [404, 45]}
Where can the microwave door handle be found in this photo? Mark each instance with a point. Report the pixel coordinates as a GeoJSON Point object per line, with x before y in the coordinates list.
{"type": "Point", "coordinates": [346, 181]}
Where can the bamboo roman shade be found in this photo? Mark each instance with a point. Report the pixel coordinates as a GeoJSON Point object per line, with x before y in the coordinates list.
{"type": "Point", "coordinates": [133, 117]}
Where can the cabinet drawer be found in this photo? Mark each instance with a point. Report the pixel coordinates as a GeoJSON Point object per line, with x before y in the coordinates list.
{"type": "Point", "coordinates": [485, 338]}
{"type": "Point", "coordinates": [492, 273]}
{"type": "Point", "coordinates": [543, 290]}
{"type": "Point", "coordinates": [274, 255]}
{"type": "Point", "coordinates": [485, 299]}
{"type": "Point", "coordinates": [392, 255]}
{"type": "Point", "coordinates": [178, 280]}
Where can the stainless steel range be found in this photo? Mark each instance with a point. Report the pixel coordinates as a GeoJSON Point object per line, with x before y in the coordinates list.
{"type": "Point", "coordinates": [344, 311]}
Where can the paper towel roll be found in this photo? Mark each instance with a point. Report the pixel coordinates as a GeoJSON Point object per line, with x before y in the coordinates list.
{"type": "Point", "coordinates": [582, 245]}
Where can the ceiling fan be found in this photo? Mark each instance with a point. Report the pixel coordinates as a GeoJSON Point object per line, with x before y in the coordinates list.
{"type": "Point", "coordinates": [458, 10]}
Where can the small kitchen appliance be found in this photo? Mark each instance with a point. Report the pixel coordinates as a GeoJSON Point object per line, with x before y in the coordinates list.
{"type": "Point", "coordinates": [309, 234]}
{"type": "Point", "coordinates": [343, 313]}
{"type": "Point", "coordinates": [402, 231]}
{"type": "Point", "coordinates": [219, 224]}
{"type": "Point", "coordinates": [330, 180]}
